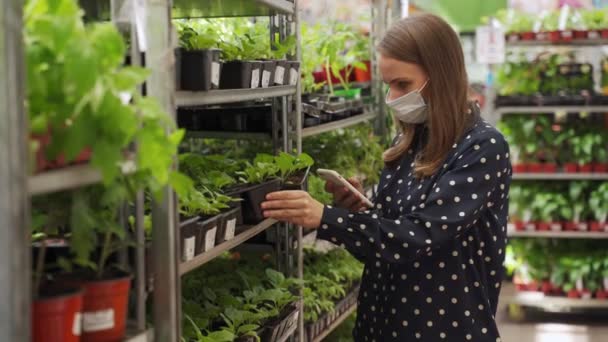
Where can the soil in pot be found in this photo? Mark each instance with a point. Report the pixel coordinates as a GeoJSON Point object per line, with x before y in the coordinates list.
{"type": "Point", "coordinates": [267, 71]}
{"type": "Point", "coordinates": [200, 70]}
{"type": "Point", "coordinates": [296, 181]}
{"type": "Point", "coordinates": [227, 228]}
{"type": "Point", "coordinates": [104, 316]}
{"type": "Point", "coordinates": [206, 233]}
{"type": "Point", "coordinates": [57, 315]}
{"type": "Point", "coordinates": [253, 198]}
{"type": "Point", "coordinates": [188, 232]}
{"type": "Point", "coordinates": [275, 330]}
{"type": "Point", "coordinates": [238, 75]}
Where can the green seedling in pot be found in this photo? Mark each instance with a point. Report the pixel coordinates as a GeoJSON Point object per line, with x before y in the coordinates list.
{"type": "Point", "coordinates": [290, 165]}
{"type": "Point", "coordinates": [263, 168]}
{"type": "Point", "coordinates": [598, 203]}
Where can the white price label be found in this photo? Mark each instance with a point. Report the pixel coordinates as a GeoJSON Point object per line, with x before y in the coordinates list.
{"type": "Point", "coordinates": [511, 227]}
{"type": "Point", "coordinates": [265, 78]}
{"type": "Point", "coordinates": [530, 227]}
{"type": "Point", "coordinates": [583, 226]}
{"type": "Point", "coordinates": [606, 283]}
{"type": "Point", "coordinates": [490, 45]}
{"type": "Point", "coordinates": [230, 229]}
{"type": "Point", "coordinates": [556, 227]}
{"type": "Point", "coordinates": [215, 74]}
{"type": "Point", "coordinates": [594, 35]}
{"type": "Point", "coordinates": [563, 17]}
{"type": "Point", "coordinates": [255, 78]}
{"type": "Point", "coordinates": [98, 320]}
{"type": "Point", "coordinates": [279, 75]}
{"type": "Point", "coordinates": [210, 238]}
{"type": "Point", "coordinates": [77, 324]}
{"type": "Point", "coordinates": [189, 248]}
{"type": "Point", "coordinates": [293, 76]}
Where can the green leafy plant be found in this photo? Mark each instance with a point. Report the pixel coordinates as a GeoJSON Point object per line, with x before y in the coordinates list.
{"type": "Point", "coordinates": [262, 169]}
{"type": "Point", "coordinates": [205, 202]}
{"type": "Point", "coordinates": [598, 202]}
{"type": "Point", "coordinates": [289, 165]}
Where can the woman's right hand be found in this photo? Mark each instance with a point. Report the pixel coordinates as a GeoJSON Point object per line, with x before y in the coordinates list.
{"type": "Point", "coordinates": [344, 198]}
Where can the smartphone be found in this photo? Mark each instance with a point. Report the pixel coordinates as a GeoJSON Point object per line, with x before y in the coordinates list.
{"type": "Point", "coordinates": [337, 179]}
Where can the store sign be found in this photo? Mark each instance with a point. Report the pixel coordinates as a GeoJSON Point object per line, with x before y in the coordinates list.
{"type": "Point", "coordinates": [490, 45]}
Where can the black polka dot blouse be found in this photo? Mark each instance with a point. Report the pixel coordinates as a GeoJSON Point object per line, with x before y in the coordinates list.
{"type": "Point", "coordinates": [433, 248]}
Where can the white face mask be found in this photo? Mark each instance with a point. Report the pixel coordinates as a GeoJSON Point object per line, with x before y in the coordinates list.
{"type": "Point", "coordinates": [409, 108]}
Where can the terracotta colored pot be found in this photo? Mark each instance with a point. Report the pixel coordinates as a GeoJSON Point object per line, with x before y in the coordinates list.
{"type": "Point", "coordinates": [549, 167]}
{"type": "Point", "coordinates": [573, 294]}
{"type": "Point", "coordinates": [364, 75]}
{"type": "Point", "coordinates": [513, 37]}
{"type": "Point", "coordinates": [601, 294]}
{"type": "Point", "coordinates": [581, 34]}
{"type": "Point", "coordinates": [566, 36]}
{"type": "Point", "coordinates": [570, 226]}
{"type": "Point", "coordinates": [105, 309]}
{"type": "Point", "coordinates": [596, 226]}
{"type": "Point", "coordinates": [56, 316]}
{"type": "Point", "coordinates": [600, 167]}
{"type": "Point", "coordinates": [604, 33]}
{"type": "Point", "coordinates": [543, 226]}
{"type": "Point", "coordinates": [520, 168]}
{"type": "Point", "coordinates": [546, 287]}
{"type": "Point", "coordinates": [571, 168]}
{"type": "Point", "coordinates": [555, 36]}
{"type": "Point", "coordinates": [535, 167]}
{"type": "Point", "coordinates": [585, 168]}
{"type": "Point", "coordinates": [42, 163]}
{"type": "Point", "coordinates": [519, 226]}
{"type": "Point", "coordinates": [527, 35]}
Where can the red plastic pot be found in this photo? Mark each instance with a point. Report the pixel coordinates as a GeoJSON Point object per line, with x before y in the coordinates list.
{"type": "Point", "coordinates": [601, 294]}
{"type": "Point", "coordinates": [604, 33]}
{"type": "Point", "coordinates": [596, 226]}
{"type": "Point", "coordinates": [520, 226]}
{"type": "Point", "coordinates": [535, 167]}
{"type": "Point", "coordinates": [581, 34]}
{"type": "Point", "coordinates": [585, 168]}
{"type": "Point", "coordinates": [594, 34]}
{"type": "Point", "coordinates": [42, 163]}
{"type": "Point", "coordinates": [566, 36]}
{"type": "Point", "coordinates": [573, 294]}
{"type": "Point", "coordinates": [570, 226]}
{"type": "Point", "coordinates": [513, 37]}
{"type": "Point", "coordinates": [56, 317]}
{"type": "Point", "coordinates": [549, 167]}
{"type": "Point", "coordinates": [520, 168]}
{"type": "Point", "coordinates": [364, 75]}
{"type": "Point", "coordinates": [527, 35]}
{"type": "Point", "coordinates": [546, 287]}
{"type": "Point", "coordinates": [571, 168]}
{"type": "Point", "coordinates": [543, 226]}
{"type": "Point", "coordinates": [600, 167]}
{"type": "Point", "coordinates": [555, 36]}
{"type": "Point", "coordinates": [105, 309]}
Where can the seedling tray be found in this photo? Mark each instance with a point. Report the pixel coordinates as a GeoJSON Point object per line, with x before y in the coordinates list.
{"type": "Point", "coordinates": [199, 70]}
{"type": "Point", "coordinates": [240, 75]}
{"type": "Point", "coordinates": [207, 229]}
{"type": "Point", "coordinates": [253, 198]}
{"type": "Point", "coordinates": [312, 330]}
{"type": "Point", "coordinates": [188, 231]}
{"type": "Point", "coordinates": [227, 228]}
{"type": "Point", "coordinates": [267, 71]}
{"type": "Point", "coordinates": [277, 330]}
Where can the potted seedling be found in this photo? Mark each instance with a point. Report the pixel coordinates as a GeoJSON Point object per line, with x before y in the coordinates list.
{"type": "Point", "coordinates": [594, 21]}
{"type": "Point", "coordinates": [240, 69]}
{"type": "Point", "coordinates": [547, 206]}
{"type": "Point", "coordinates": [550, 27]}
{"type": "Point", "coordinates": [198, 59]}
{"type": "Point", "coordinates": [293, 170]}
{"type": "Point", "coordinates": [579, 205]}
{"type": "Point", "coordinates": [583, 145]}
{"type": "Point", "coordinates": [565, 137]}
{"type": "Point", "coordinates": [598, 204]}
{"type": "Point", "coordinates": [600, 152]}
{"type": "Point", "coordinates": [261, 175]}
{"type": "Point", "coordinates": [604, 274]}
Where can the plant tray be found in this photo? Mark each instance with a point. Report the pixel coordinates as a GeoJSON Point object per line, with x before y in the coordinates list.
{"type": "Point", "coordinates": [313, 330]}
{"type": "Point", "coordinates": [199, 70]}
{"type": "Point", "coordinates": [277, 331]}
{"type": "Point", "coordinates": [253, 198]}
{"type": "Point", "coordinates": [188, 232]}
{"type": "Point", "coordinates": [207, 229]}
{"type": "Point", "coordinates": [227, 227]}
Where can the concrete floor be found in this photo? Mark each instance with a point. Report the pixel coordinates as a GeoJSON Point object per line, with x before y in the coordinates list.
{"type": "Point", "coordinates": [551, 329]}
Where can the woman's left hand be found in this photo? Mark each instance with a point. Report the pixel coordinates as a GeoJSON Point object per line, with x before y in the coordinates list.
{"type": "Point", "coordinates": [296, 207]}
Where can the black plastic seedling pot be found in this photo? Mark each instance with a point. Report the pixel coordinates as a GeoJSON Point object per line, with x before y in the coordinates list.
{"type": "Point", "coordinates": [227, 228]}
{"type": "Point", "coordinates": [282, 70]}
{"type": "Point", "coordinates": [293, 76]}
{"type": "Point", "coordinates": [207, 231]}
{"type": "Point", "coordinates": [199, 69]}
{"type": "Point", "coordinates": [188, 232]}
{"type": "Point", "coordinates": [267, 70]}
{"type": "Point", "coordinates": [277, 329]}
{"type": "Point", "coordinates": [240, 75]}
{"type": "Point", "coordinates": [253, 198]}
{"type": "Point", "coordinates": [296, 181]}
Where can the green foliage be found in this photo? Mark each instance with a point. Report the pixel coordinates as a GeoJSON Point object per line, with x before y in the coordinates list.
{"type": "Point", "coordinates": [289, 165]}
{"type": "Point", "coordinates": [598, 202]}
{"type": "Point", "coordinates": [316, 188]}
{"type": "Point", "coordinates": [204, 202]}
{"type": "Point", "coordinates": [513, 21]}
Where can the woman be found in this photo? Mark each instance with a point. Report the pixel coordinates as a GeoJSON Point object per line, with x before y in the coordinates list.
{"type": "Point", "coordinates": [434, 244]}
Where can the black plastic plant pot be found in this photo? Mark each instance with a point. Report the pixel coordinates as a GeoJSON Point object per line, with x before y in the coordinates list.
{"type": "Point", "coordinates": [293, 76]}
{"type": "Point", "coordinates": [194, 119]}
{"type": "Point", "coordinates": [200, 70]}
{"type": "Point", "coordinates": [253, 198]}
{"type": "Point", "coordinates": [227, 228]}
{"type": "Point", "coordinates": [207, 231]}
{"type": "Point", "coordinates": [267, 71]}
{"type": "Point", "coordinates": [310, 121]}
{"type": "Point", "coordinates": [325, 118]}
{"type": "Point", "coordinates": [188, 231]}
{"type": "Point", "coordinates": [277, 329]}
{"type": "Point", "coordinates": [258, 118]}
{"type": "Point", "coordinates": [281, 70]}
{"type": "Point", "coordinates": [297, 180]}
{"type": "Point", "coordinates": [236, 75]}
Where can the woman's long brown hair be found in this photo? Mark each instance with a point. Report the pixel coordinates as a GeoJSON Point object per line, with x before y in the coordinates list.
{"type": "Point", "coordinates": [428, 41]}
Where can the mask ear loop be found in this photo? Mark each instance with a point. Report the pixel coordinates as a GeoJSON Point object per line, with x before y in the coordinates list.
{"type": "Point", "coordinates": [423, 86]}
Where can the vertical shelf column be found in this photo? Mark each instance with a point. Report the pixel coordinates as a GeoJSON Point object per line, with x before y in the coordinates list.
{"type": "Point", "coordinates": [14, 200]}
{"type": "Point", "coordinates": [159, 54]}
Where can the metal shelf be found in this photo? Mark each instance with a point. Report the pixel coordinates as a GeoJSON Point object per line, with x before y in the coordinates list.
{"type": "Point", "coordinates": [560, 176]}
{"type": "Point", "coordinates": [556, 304]}
{"type": "Point", "coordinates": [204, 258]}
{"type": "Point", "coordinates": [558, 235]}
{"type": "Point", "coordinates": [335, 324]}
{"type": "Point", "coordinates": [549, 109]}
{"type": "Point", "coordinates": [212, 97]}
{"type": "Point", "coordinates": [230, 8]}
{"type": "Point", "coordinates": [228, 135]}
{"type": "Point", "coordinates": [332, 126]}
{"type": "Point", "coordinates": [144, 336]}
{"type": "Point", "coordinates": [572, 44]}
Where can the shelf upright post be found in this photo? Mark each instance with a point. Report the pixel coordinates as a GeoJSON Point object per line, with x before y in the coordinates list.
{"type": "Point", "coordinates": [159, 56]}
{"type": "Point", "coordinates": [379, 25]}
{"type": "Point", "coordinates": [15, 274]}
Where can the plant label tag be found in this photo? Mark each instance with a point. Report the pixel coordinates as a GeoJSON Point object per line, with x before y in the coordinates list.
{"type": "Point", "coordinates": [530, 227]}
{"type": "Point", "coordinates": [539, 23]}
{"type": "Point", "coordinates": [594, 35]}
{"type": "Point", "coordinates": [255, 78]}
{"type": "Point", "coordinates": [210, 239]}
{"type": "Point", "coordinates": [556, 227]}
{"type": "Point", "coordinates": [583, 226]}
{"type": "Point", "coordinates": [563, 17]}
{"type": "Point", "coordinates": [215, 74]}
{"type": "Point", "coordinates": [230, 229]}
{"type": "Point", "coordinates": [189, 248]}
{"type": "Point", "coordinates": [265, 78]}
{"type": "Point", "coordinates": [293, 76]}
{"type": "Point", "coordinates": [511, 227]}
{"type": "Point", "coordinates": [98, 320]}
{"type": "Point", "coordinates": [279, 75]}
{"type": "Point", "coordinates": [579, 285]}
{"type": "Point", "coordinates": [77, 324]}
{"type": "Point", "coordinates": [605, 283]}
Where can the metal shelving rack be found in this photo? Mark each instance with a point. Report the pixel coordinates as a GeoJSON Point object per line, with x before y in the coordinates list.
{"type": "Point", "coordinates": [539, 301]}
